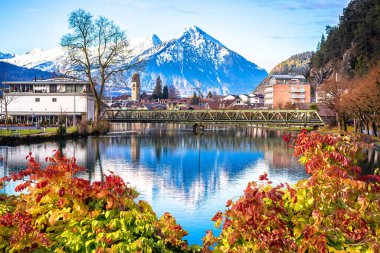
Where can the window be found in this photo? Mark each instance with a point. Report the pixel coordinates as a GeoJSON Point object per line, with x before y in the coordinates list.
{"type": "Point", "coordinates": [37, 99]}
{"type": "Point", "coordinates": [53, 88]}
{"type": "Point", "coordinates": [54, 99]}
{"type": "Point", "coordinates": [70, 88]}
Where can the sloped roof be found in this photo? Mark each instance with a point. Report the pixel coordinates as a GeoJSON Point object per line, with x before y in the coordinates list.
{"type": "Point", "coordinates": [287, 77]}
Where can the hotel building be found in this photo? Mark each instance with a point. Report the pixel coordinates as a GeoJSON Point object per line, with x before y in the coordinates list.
{"type": "Point", "coordinates": [284, 89]}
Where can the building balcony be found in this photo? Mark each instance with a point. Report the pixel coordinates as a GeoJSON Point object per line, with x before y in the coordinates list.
{"type": "Point", "coordinates": [298, 90]}
{"type": "Point", "coordinates": [268, 90]}
{"type": "Point", "coordinates": [298, 96]}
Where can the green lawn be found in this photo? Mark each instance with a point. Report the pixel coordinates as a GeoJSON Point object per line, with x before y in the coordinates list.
{"type": "Point", "coordinates": [47, 130]}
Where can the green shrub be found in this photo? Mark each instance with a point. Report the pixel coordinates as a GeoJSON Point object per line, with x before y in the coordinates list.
{"type": "Point", "coordinates": [102, 127]}
{"type": "Point", "coordinates": [83, 127]}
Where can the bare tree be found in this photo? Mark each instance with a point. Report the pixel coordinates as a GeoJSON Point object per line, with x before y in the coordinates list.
{"type": "Point", "coordinates": [173, 92]}
{"type": "Point", "coordinates": [97, 50]}
{"type": "Point", "coordinates": [8, 96]}
{"type": "Point", "coordinates": [334, 90]}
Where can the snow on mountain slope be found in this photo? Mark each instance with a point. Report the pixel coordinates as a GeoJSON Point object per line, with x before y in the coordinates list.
{"type": "Point", "coordinates": [191, 58]}
{"type": "Point", "coordinates": [52, 60]}
{"type": "Point", "coordinates": [139, 45]}
{"type": "Point", "coordinates": [46, 60]}
{"type": "Point", "coordinates": [197, 57]}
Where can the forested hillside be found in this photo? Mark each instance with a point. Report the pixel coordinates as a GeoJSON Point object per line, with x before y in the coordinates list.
{"type": "Point", "coordinates": [298, 64]}
{"type": "Point", "coordinates": [353, 44]}
{"type": "Point", "coordinates": [10, 72]}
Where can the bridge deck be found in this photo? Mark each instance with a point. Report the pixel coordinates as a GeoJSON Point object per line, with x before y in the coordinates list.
{"type": "Point", "coordinates": [255, 117]}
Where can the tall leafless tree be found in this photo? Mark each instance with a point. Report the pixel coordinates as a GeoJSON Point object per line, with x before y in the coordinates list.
{"type": "Point", "coordinates": [97, 50]}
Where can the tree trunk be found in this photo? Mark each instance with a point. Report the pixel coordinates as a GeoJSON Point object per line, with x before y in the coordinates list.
{"type": "Point", "coordinates": [97, 111]}
{"type": "Point", "coordinates": [344, 119]}
{"type": "Point", "coordinates": [367, 126]}
{"type": "Point", "coordinates": [338, 121]}
{"type": "Point", "coordinates": [374, 129]}
{"type": "Point", "coordinates": [356, 126]}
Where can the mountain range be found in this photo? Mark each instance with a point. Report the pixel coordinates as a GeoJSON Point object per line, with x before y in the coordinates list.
{"type": "Point", "coordinates": [194, 58]}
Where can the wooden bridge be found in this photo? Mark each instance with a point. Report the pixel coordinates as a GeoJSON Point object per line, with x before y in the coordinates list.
{"type": "Point", "coordinates": [252, 117]}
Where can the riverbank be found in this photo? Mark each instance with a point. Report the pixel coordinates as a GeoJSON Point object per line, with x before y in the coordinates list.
{"type": "Point", "coordinates": [13, 136]}
{"type": "Point", "coordinates": [36, 138]}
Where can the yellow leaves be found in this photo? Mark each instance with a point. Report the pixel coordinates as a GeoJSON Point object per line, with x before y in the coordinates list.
{"type": "Point", "coordinates": [297, 231]}
{"type": "Point", "coordinates": [57, 215]}
{"type": "Point", "coordinates": [79, 208]}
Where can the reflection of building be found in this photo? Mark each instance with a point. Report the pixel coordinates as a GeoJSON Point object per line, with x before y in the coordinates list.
{"type": "Point", "coordinates": [13, 158]}
{"type": "Point", "coordinates": [283, 89]}
{"type": "Point", "coordinates": [135, 148]}
{"type": "Point", "coordinates": [45, 100]}
{"type": "Point", "coordinates": [135, 87]}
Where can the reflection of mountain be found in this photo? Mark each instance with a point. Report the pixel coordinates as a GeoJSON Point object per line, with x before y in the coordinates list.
{"type": "Point", "coordinates": [170, 160]}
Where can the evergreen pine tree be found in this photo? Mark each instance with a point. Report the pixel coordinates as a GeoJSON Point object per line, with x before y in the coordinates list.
{"type": "Point", "coordinates": [165, 92]}
{"type": "Point", "coordinates": [157, 92]}
{"type": "Point", "coordinates": [194, 99]}
{"type": "Point", "coordinates": [209, 95]}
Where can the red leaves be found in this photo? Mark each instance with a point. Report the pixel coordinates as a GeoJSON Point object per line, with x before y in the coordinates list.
{"type": "Point", "coordinates": [287, 138]}
{"type": "Point", "coordinates": [263, 177]}
{"type": "Point", "coordinates": [42, 184]}
{"type": "Point", "coordinates": [61, 191]}
{"type": "Point", "coordinates": [22, 187]}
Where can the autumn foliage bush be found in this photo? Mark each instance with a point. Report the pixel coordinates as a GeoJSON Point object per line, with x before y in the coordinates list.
{"type": "Point", "coordinates": [57, 211]}
{"type": "Point", "coordinates": [335, 210]}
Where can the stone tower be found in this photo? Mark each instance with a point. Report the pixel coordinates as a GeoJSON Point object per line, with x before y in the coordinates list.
{"type": "Point", "coordinates": [136, 87]}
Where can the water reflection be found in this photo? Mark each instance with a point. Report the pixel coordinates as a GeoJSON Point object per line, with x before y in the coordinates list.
{"type": "Point", "coordinates": [191, 176]}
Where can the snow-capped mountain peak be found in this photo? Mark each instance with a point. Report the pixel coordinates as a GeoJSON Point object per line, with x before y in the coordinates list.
{"type": "Point", "coordinates": [196, 56]}
{"type": "Point", "coordinates": [139, 45]}
{"type": "Point", "coordinates": [194, 33]}
{"type": "Point", "coordinates": [156, 40]}
{"type": "Point", "coordinates": [182, 62]}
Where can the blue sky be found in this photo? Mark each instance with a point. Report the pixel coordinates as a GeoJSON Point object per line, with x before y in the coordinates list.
{"type": "Point", "coordinates": [263, 31]}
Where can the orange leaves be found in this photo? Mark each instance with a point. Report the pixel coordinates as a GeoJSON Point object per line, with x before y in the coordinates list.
{"type": "Point", "coordinates": [217, 216]}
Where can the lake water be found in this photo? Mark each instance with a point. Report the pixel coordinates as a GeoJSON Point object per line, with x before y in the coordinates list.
{"type": "Point", "coordinates": [191, 176]}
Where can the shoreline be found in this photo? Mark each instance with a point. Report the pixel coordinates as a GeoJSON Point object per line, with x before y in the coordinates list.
{"type": "Point", "coordinates": [37, 138]}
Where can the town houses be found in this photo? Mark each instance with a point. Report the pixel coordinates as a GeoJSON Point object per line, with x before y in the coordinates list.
{"type": "Point", "coordinates": [70, 100]}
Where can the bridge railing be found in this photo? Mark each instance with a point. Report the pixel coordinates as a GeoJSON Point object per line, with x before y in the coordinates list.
{"type": "Point", "coordinates": [259, 117]}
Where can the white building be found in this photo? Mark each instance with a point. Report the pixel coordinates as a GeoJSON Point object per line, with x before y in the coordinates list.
{"type": "Point", "coordinates": [44, 101]}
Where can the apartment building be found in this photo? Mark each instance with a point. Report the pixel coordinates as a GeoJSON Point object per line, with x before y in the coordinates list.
{"type": "Point", "coordinates": [285, 89]}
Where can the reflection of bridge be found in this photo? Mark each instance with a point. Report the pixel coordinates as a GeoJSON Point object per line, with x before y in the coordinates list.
{"type": "Point", "coordinates": [254, 117]}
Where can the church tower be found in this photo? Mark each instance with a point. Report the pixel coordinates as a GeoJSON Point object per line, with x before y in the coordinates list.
{"type": "Point", "coordinates": [136, 87]}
